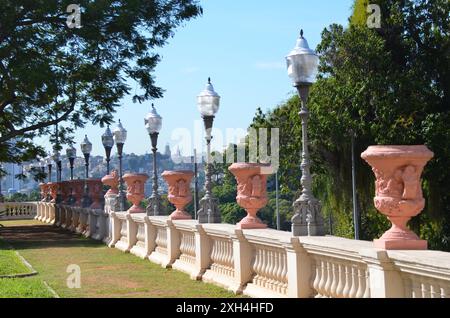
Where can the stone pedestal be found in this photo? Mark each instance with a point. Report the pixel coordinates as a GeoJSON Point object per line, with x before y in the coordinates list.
{"type": "Point", "coordinates": [252, 192]}
{"type": "Point", "coordinates": [179, 192]}
{"type": "Point", "coordinates": [398, 191]}
{"type": "Point", "coordinates": [135, 190]}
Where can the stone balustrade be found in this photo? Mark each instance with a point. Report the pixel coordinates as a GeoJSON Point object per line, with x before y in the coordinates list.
{"type": "Point", "coordinates": [263, 262]}
{"type": "Point", "coordinates": [17, 210]}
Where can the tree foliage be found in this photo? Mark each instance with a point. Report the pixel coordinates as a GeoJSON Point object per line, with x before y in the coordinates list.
{"type": "Point", "coordinates": [50, 73]}
{"type": "Point", "coordinates": [388, 86]}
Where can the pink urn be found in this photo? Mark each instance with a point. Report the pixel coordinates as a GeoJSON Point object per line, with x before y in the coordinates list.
{"type": "Point", "coordinates": [95, 193]}
{"type": "Point", "coordinates": [53, 189]}
{"type": "Point", "coordinates": [398, 191]}
{"type": "Point", "coordinates": [65, 191]}
{"type": "Point", "coordinates": [179, 192]}
{"type": "Point", "coordinates": [44, 191]}
{"type": "Point", "coordinates": [135, 190]}
{"type": "Point", "coordinates": [112, 181]}
{"type": "Point", "coordinates": [77, 191]}
{"type": "Point", "coordinates": [251, 191]}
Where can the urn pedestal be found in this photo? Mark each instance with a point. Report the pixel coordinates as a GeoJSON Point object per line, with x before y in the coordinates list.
{"type": "Point", "coordinates": [135, 190]}
{"type": "Point", "coordinates": [251, 191]}
{"type": "Point", "coordinates": [398, 191]}
{"type": "Point", "coordinates": [112, 181]}
{"type": "Point", "coordinates": [179, 192]}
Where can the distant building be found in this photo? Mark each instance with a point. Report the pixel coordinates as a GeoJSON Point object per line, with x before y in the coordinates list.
{"type": "Point", "coordinates": [167, 151]}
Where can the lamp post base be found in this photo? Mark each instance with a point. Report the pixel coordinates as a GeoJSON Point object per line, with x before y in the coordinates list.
{"type": "Point", "coordinates": [299, 220]}
{"type": "Point", "coordinates": [155, 207]}
{"type": "Point", "coordinates": [209, 211]}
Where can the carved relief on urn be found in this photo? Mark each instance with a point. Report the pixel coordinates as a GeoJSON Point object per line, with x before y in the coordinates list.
{"type": "Point", "coordinates": [135, 190]}
{"type": "Point", "coordinates": [251, 191]}
{"type": "Point", "coordinates": [112, 181]}
{"type": "Point", "coordinates": [179, 192]}
{"type": "Point", "coordinates": [398, 191]}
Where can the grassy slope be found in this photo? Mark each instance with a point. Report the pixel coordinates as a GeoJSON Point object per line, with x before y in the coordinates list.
{"type": "Point", "coordinates": [105, 272]}
{"type": "Point", "coordinates": [10, 262]}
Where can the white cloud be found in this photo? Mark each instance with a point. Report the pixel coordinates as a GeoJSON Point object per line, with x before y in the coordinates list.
{"type": "Point", "coordinates": [270, 65]}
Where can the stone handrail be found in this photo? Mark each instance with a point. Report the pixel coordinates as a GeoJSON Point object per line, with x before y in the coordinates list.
{"type": "Point", "coordinates": [17, 210]}
{"type": "Point", "coordinates": [265, 262]}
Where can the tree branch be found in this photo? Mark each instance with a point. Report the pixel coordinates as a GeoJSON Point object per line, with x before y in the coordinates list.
{"type": "Point", "coordinates": [14, 133]}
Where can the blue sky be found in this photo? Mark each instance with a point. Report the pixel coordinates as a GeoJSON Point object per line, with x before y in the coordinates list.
{"type": "Point", "coordinates": [242, 45]}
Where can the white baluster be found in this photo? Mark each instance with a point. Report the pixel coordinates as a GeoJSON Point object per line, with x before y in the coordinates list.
{"type": "Point", "coordinates": [361, 283]}
{"type": "Point", "coordinates": [329, 281]}
{"type": "Point", "coordinates": [335, 278]}
{"type": "Point", "coordinates": [353, 290]}
{"type": "Point", "coordinates": [323, 279]}
{"type": "Point", "coordinates": [347, 283]}
{"type": "Point", "coordinates": [316, 271]}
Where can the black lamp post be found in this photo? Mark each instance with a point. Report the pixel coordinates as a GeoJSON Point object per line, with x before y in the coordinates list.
{"type": "Point", "coordinates": [86, 148]}
{"type": "Point", "coordinates": [208, 104]}
{"type": "Point", "coordinates": [120, 136]}
{"type": "Point", "coordinates": [49, 167]}
{"type": "Point", "coordinates": [153, 124]}
{"type": "Point", "coordinates": [71, 153]}
{"type": "Point", "coordinates": [57, 159]}
{"type": "Point", "coordinates": [108, 144]}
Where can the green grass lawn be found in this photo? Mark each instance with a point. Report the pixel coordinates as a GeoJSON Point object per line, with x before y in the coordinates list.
{"type": "Point", "coordinates": [105, 272]}
{"type": "Point", "coordinates": [10, 263]}
{"type": "Point", "coordinates": [26, 287]}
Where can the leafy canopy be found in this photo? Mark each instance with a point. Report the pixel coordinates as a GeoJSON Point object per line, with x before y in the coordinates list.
{"type": "Point", "coordinates": [50, 73]}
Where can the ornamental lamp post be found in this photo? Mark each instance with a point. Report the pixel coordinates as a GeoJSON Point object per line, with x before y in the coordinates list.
{"type": "Point", "coordinates": [86, 148]}
{"type": "Point", "coordinates": [71, 153]}
{"type": "Point", "coordinates": [302, 65]}
{"type": "Point", "coordinates": [153, 124]}
{"type": "Point", "coordinates": [208, 103]}
{"type": "Point", "coordinates": [120, 136]}
{"type": "Point", "coordinates": [108, 144]}
{"type": "Point", "coordinates": [48, 161]}
{"type": "Point", "coordinates": [57, 159]}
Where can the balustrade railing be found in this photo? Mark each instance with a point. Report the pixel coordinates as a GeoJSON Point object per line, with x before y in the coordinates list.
{"type": "Point", "coordinates": [265, 263]}
{"type": "Point", "coordinates": [17, 210]}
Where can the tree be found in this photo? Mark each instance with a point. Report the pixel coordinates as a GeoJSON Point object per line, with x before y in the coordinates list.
{"type": "Point", "coordinates": [50, 73]}
{"type": "Point", "coordinates": [390, 86]}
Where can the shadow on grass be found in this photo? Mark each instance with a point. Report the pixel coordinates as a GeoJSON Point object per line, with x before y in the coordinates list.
{"type": "Point", "coordinates": [44, 236]}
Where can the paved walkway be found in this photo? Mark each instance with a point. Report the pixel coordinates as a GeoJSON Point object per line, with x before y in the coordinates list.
{"type": "Point", "coordinates": [105, 272]}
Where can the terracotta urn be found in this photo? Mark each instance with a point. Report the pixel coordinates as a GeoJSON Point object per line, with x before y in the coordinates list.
{"type": "Point", "coordinates": [95, 187]}
{"type": "Point", "coordinates": [65, 191]}
{"type": "Point", "coordinates": [53, 189]}
{"type": "Point", "coordinates": [44, 191]}
{"type": "Point", "coordinates": [179, 192]}
{"type": "Point", "coordinates": [398, 191]}
{"type": "Point", "coordinates": [251, 191]}
{"type": "Point", "coordinates": [112, 181]}
{"type": "Point", "coordinates": [135, 190]}
{"type": "Point", "coordinates": [77, 191]}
